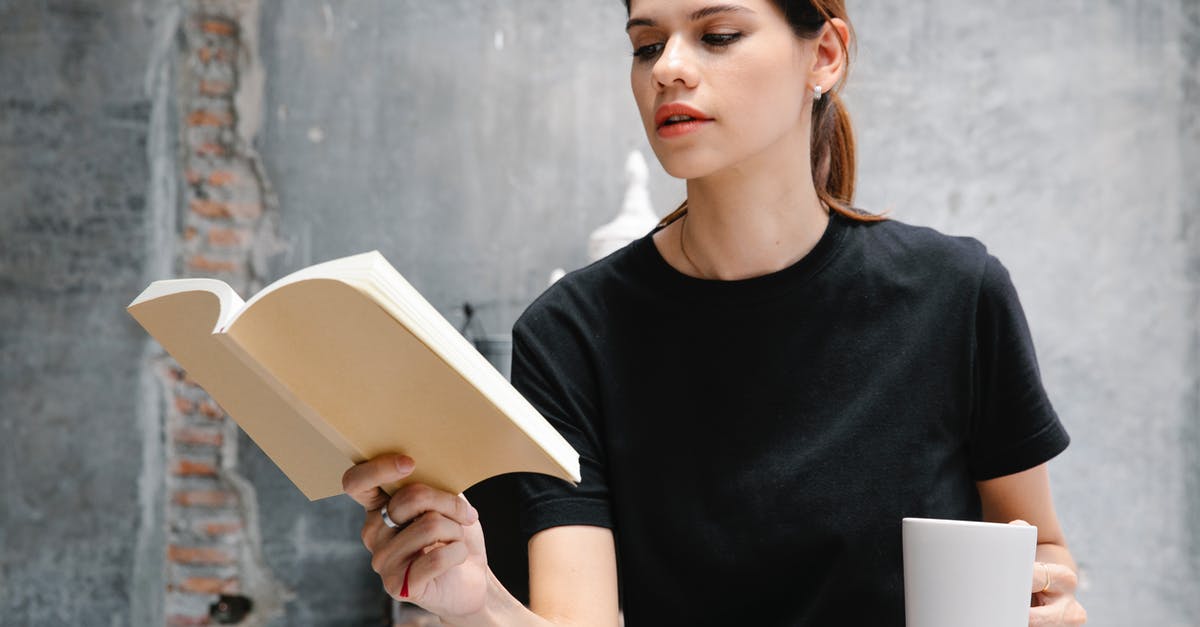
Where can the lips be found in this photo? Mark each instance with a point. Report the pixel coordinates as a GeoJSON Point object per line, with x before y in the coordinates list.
{"type": "Point", "coordinates": [677, 108]}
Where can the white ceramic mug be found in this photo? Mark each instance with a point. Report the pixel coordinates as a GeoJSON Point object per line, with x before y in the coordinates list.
{"type": "Point", "coordinates": [964, 573]}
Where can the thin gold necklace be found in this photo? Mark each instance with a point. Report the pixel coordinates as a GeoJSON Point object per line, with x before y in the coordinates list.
{"type": "Point", "coordinates": [683, 247]}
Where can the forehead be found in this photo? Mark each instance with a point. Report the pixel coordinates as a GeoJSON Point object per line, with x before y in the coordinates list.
{"type": "Point", "coordinates": [686, 8]}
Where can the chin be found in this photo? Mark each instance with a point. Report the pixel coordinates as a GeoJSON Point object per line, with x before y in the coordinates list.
{"type": "Point", "coordinates": [687, 163]}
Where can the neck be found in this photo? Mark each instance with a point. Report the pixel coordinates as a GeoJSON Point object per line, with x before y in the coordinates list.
{"type": "Point", "coordinates": [757, 217]}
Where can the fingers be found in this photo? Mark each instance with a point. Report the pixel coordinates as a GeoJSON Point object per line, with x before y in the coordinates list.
{"type": "Point", "coordinates": [428, 529]}
{"type": "Point", "coordinates": [415, 499]}
{"type": "Point", "coordinates": [1064, 611]}
{"type": "Point", "coordinates": [361, 482]}
{"type": "Point", "coordinates": [1041, 578]}
{"type": "Point", "coordinates": [1053, 579]}
{"type": "Point", "coordinates": [412, 580]}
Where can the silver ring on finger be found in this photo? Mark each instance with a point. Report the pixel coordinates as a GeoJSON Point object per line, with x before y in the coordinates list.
{"type": "Point", "coordinates": [387, 520]}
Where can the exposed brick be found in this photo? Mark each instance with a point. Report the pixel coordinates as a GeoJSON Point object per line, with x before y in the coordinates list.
{"type": "Point", "coordinates": [215, 88]}
{"type": "Point", "coordinates": [182, 620]}
{"type": "Point", "coordinates": [211, 410]}
{"type": "Point", "coordinates": [198, 437]}
{"type": "Point", "coordinates": [193, 468]}
{"type": "Point", "coordinates": [189, 234]}
{"type": "Point", "coordinates": [220, 528]}
{"type": "Point", "coordinates": [209, 53]}
{"type": "Point", "coordinates": [204, 498]}
{"type": "Point", "coordinates": [216, 26]}
{"type": "Point", "coordinates": [221, 178]}
{"type": "Point", "coordinates": [206, 264]}
{"type": "Point", "coordinates": [210, 149]}
{"type": "Point", "coordinates": [193, 177]}
{"type": "Point", "coordinates": [210, 585]}
{"type": "Point", "coordinates": [247, 210]}
{"type": "Point", "coordinates": [209, 118]}
{"type": "Point", "coordinates": [198, 555]}
{"type": "Point", "coordinates": [226, 237]}
{"type": "Point", "coordinates": [209, 208]}
{"type": "Point", "coordinates": [184, 406]}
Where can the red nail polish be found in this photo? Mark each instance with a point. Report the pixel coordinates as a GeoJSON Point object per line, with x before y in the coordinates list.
{"type": "Point", "coordinates": [404, 586]}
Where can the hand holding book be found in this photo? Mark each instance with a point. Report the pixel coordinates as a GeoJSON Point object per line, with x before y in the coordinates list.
{"type": "Point", "coordinates": [436, 557]}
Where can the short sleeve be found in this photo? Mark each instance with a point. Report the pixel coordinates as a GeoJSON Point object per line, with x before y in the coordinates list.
{"type": "Point", "coordinates": [1013, 427]}
{"type": "Point", "coordinates": [551, 369]}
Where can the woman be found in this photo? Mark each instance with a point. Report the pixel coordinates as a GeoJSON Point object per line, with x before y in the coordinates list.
{"type": "Point", "coordinates": [762, 387]}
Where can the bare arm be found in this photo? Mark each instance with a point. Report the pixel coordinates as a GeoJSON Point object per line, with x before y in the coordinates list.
{"type": "Point", "coordinates": [572, 583]}
{"type": "Point", "coordinates": [1025, 496]}
{"type": "Point", "coordinates": [431, 552]}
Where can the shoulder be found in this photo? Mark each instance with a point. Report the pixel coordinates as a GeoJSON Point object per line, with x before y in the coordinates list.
{"type": "Point", "coordinates": [895, 246]}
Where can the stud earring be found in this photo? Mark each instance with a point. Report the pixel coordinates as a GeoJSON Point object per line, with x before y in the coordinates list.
{"type": "Point", "coordinates": [816, 92]}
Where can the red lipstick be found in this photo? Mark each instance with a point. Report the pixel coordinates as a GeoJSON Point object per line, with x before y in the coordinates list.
{"type": "Point", "coordinates": [677, 128]}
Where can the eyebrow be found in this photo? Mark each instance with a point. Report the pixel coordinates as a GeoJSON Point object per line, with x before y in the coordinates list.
{"type": "Point", "coordinates": [697, 15]}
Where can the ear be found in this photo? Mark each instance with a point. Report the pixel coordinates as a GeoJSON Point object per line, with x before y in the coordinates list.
{"type": "Point", "coordinates": [829, 61]}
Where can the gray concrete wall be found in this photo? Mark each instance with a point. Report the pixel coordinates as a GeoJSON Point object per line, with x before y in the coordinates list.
{"type": "Point", "coordinates": [75, 224]}
{"type": "Point", "coordinates": [477, 144]}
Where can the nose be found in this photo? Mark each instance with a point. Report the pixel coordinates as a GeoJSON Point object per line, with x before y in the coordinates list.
{"type": "Point", "coordinates": [676, 64]}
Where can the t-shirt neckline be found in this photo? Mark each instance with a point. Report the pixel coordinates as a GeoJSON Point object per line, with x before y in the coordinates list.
{"type": "Point", "coordinates": [739, 291]}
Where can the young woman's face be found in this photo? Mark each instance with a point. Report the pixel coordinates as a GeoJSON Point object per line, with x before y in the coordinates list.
{"type": "Point", "coordinates": [736, 64]}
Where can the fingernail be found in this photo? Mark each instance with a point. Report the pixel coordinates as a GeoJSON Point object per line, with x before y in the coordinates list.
{"type": "Point", "coordinates": [472, 513]}
{"type": "Point", "coordinates": [405, 464]}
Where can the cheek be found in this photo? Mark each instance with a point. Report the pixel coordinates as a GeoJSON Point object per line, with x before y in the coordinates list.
{"type": "Point", "coordinates": [643, 93]}
{"type": "Point", "coordinates": [762, 98]}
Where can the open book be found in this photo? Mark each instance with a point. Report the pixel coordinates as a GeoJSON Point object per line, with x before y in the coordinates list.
{"type": "Point", "coordinates": [342, 361]}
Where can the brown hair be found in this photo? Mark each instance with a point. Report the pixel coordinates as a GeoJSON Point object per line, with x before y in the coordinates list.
{"type": "Point", "coordinates": [832, 134]}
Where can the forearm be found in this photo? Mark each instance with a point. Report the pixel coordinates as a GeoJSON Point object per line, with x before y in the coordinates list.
{"type": "Point", "coordinates": [500, 608]}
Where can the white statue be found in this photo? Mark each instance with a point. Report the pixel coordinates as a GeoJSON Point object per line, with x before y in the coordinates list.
{"type": "Point", "coordinates": [636, 218]}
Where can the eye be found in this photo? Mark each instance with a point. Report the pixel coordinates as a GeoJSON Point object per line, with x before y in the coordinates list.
{"type": "Point", "coordinates": [721, 39]}
{"type": "Point", "coordinates": [716, 40]}
{"type": "Point", "coordinates": [646, 52]}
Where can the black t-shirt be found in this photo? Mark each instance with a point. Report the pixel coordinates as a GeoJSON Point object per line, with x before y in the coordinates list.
{"type": "Point", "coordinates": [754, 444]}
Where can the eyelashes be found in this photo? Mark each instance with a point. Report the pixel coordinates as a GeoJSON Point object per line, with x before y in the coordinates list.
{"type": "Point", "coordinates": [714, 40]}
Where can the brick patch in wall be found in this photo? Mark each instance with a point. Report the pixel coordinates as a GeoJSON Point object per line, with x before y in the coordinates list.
{"type": "Point", "coordinates": [211, 410]}
{"type": "Point", "coordinates": [210, 149]}
{"type": "Point", "coordinates": [207, 265]}
{"type": "Point", "coordinates": [218, 527]}
{"type": "Point", "coordinates": [218, 236]}
{"type": "Point", "coordinates": [215, 88]}
{"type": "Point", "coordinates": [178, 620]}
{"type": "Point", "coordinates": [209, 208]}
{"type": "Point", "coordinates": [195, 436]}
{"type": "Point", "coordinates": [219, 26]}
{"type": "Point", "coordinates": [211, 510]}
{"type": "Point", "coordinates": [193, 468]}
{"type": "Point", "coordinates": [199, 555]}
{"type": "Point", "coordinates": [211, 585]}
{"type": "Point", "coordinates": [221, 178]}
{"type": "Point", "coordinates": [205, 498]}
{"type": "Point", "coordinates": [184, 405]}
{"type": "Point", "coordinates": [209, 118]}
{"type": "Point", "coordinates": [222, 210]}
